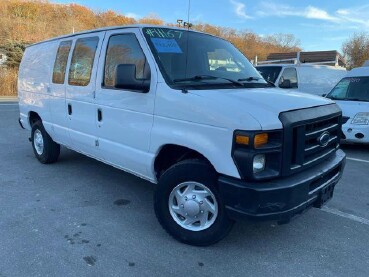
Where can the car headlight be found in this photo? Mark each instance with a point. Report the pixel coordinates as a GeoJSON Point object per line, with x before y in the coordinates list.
{"type": "Point", "coordinates": [258, 164]}
{"type": "Point", "coordinates": [361, 119]}
{"type": "Point", "coordinates": [257, 154]}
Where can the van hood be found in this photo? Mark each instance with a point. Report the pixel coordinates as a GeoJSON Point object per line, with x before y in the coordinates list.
{"type": "Point", "coordinates": [263, 104]}
{"type": "Point", "coordinates": [351, 108]}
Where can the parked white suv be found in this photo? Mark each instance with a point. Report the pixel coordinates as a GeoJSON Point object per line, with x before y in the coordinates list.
{"type": "Point", "coordinates": [352, 95]}
{"type": "Point", "coordinates": [187, 111]}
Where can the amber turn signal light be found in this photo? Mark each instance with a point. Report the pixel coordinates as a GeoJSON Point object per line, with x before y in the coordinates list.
{"type": "Point", "coordinates": [260, 140]}
{"type": "Point", "coordinates": [244, 140]}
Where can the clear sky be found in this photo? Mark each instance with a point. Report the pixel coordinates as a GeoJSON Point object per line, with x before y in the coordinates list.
{"type": "Point", "coordinates": [319, 24]}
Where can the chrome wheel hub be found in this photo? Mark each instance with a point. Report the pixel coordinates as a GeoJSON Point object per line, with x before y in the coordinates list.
{"type": "Point", "coordinates": [38, 142]}
{"type": "Point", "coordinates": [193, 206]}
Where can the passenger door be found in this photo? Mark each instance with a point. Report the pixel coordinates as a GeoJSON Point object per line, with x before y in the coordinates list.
{"type": "Point", "coordinates": [80, 94]}
{"type": "Point", "coordinates": [57, 93]}
{"type": "Point", "coordinates": [125, 117]}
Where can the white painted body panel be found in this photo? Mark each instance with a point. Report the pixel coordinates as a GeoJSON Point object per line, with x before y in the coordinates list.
{"type": "Point", "coordinates": [135, 126]}
{"type": "Point", "coordinates": [34, 83]}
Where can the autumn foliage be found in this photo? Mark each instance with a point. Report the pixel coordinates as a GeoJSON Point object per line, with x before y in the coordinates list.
{"type": "Point", "coordinates": [356, 49]}
{"type": "Point", "coordinates": [29, 21]}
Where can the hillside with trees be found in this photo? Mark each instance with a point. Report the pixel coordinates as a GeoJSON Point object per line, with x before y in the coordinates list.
{"type": "Point", "coordinates": [23, 22]}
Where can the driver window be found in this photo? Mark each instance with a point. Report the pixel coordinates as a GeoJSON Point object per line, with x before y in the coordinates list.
{"type": "Point", "coordinates": [124, 49]}
{"type": "Point", "coordinates": [289, 74]}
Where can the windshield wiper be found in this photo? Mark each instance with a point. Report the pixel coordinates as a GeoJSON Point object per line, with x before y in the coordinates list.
{"type": "Point", "coordinates": [207, 77]}
{"type": "Point", "coordinates": [356, 99]}
{"type": "Point", "coordinates": [348, 99]}
{"type": "Point", "coordinates": [334, 98]}
{"type": "Point", "coordinates": [249, 79]}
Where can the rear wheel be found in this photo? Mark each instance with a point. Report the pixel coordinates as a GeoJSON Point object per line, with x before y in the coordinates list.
{"type": "Point", "coordinates": [45, 149]}
{"type": "Point", "coordinates": [188, 204]}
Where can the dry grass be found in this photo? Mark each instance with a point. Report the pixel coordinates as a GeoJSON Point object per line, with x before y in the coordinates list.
{"type": "Point", "coordinates": [8, 81]}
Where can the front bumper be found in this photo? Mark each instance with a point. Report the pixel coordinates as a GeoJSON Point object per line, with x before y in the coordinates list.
{"type": "Point", "coordinates": [355, 133]}
{"type": "Point", "coordinates": [281, 199]}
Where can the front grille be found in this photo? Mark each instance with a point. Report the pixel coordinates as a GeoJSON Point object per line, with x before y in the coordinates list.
{"type": "Point", "coordinates": [312, 150]}
{"type": "Point", "coordinates": [311, 135]}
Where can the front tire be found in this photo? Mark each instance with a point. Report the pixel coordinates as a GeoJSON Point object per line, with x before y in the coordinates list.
{"type": "Point", "coordinates": [46, 150]}
{"type": "Point", "coordinates": [188, 205]}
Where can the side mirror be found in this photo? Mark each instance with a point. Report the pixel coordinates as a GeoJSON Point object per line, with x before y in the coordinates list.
{"type": "Point", "coordinates": [286, 84]}
{"type": "Point", "coordinates": [125, 78]}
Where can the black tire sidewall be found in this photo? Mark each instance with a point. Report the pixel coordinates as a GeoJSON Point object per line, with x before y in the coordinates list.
{"type": "Point", "coordinates": [196, 171]}
{"type": "Point", "coordinates": [45, 157]}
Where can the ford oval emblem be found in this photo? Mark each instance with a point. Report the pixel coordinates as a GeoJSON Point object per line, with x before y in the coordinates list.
{"type": "Point", "coordinates": [323, 139]}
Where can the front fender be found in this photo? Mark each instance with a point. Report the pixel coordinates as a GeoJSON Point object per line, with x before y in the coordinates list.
{"type": "Point", "coordinates": [214, 143]}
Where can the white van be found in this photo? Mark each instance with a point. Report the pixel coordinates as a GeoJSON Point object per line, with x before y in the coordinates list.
{"type": "Point", "coordinates": [220, 142]}
{"type": "Point", "coordinates": [313, 78]}
{"type": "Point", "coordinates": [352, 95]}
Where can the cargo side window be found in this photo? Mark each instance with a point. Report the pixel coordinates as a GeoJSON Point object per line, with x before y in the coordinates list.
{"type": "Point", "coordinates": [82, 61]}
{"type": "Point", "coordinates": [61, 61]}
{"type": "Point", "coordinates": [291, 75]}
{"type": "Point", "coordinates": [124, 50]}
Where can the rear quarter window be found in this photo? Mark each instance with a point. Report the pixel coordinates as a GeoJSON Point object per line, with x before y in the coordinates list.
{"type": "Point", "coordinates": [61, 61]}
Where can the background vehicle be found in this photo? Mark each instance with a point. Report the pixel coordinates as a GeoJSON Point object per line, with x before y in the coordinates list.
{"type": "Point", "coordinates": [187, 111]}
{"type": "Point", "coordinates": [312, 76]}
{"type": "Point", "coordinates": [352, 95]}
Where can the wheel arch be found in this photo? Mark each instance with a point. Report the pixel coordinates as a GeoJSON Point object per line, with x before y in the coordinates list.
{"type": "Point", "coordinates": [33, 117]}
{"type": "Point", "coordinates": [170, 154]}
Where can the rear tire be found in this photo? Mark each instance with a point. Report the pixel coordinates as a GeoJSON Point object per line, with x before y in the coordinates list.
{"type": "Point", "coordinates": [46, 150]}
{"type": "Point", "coordinates": [188, 205]}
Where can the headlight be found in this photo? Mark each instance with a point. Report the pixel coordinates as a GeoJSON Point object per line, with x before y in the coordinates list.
{"type": "Point", "coordinates": [258, 154]}
{"type": "Point", "coordinates": [258, 164]}
{"type": "Point", "coordinates": [361, 119]}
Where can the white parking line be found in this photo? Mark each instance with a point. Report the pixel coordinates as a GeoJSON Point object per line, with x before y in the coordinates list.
{"type": "Point", "coordinates": [357, 160]}
{"type": "Point", "coordinates": [346, 215]}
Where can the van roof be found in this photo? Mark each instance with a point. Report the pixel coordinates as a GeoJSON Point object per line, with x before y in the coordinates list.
{"type": "Point", "coordinates": [140, 26]}
{"type": "Point", "coordinates": [359, 72]}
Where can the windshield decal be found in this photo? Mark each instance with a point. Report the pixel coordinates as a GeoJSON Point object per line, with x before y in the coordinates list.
{"type": "Point", "coordinates": [164, 45]}
{"type": "Point", "coordinates": [164, 33]}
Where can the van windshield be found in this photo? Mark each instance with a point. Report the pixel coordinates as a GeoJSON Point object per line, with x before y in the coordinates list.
{"type": "Point", "coordinates": [351, 89]}
{"type": "Point", "coordinates": [194, 60]}
{"type": "Point", "coordinates": [270, 73]}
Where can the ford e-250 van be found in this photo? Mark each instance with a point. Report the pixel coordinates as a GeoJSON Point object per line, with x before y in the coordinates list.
{"type": "Point", "coordinates": [187, 111]}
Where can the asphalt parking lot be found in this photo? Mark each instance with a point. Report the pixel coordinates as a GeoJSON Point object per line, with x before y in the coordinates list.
{"type": "Point", "coordinates": [80, 217]}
